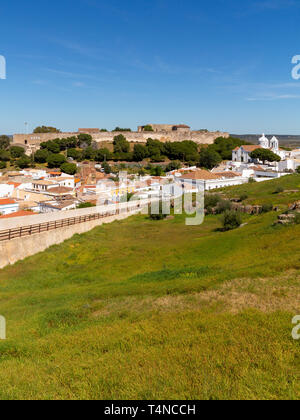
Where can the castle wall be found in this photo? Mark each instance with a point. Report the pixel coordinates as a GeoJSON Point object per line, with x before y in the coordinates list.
{"type": "Point", "coordinates": [200, 137]}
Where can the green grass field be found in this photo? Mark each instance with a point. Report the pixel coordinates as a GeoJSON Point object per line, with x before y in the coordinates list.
{"type": "Point", "coordinates": [143, 309]}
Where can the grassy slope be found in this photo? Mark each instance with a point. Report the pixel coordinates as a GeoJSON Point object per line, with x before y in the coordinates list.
{"type": "Point", "coordinates": [143, 309]}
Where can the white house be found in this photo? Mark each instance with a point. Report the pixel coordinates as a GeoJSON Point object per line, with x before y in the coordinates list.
{"type": "Point", "coordinates": [8, 206]}
{"type": "Point", "coordinates": [206, 180]}
{"type": "Point", "coordinates": [6, 190]}
{"type": "Point", "coordinates": [55, 206]}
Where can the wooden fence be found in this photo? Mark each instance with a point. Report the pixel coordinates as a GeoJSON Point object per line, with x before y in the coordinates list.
{"type": "Point", "coordinates": [8, 234]}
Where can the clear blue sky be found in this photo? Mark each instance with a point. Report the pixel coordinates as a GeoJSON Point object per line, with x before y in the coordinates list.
{"type": "Point", "coordinates": [215, 64]}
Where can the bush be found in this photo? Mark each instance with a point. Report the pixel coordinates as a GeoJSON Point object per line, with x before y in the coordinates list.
{"type": "Point", "coordinates": [251, 180]}
{"type": "Point", "coordinates": [106, 168]}
{"type": "Point", "coordinates": [243, 197]}
{"type": "Point", "coordinates": [75, 154]}
{"type": "Point", "coordinates": [41, 156]}
{"type": "Point", "coordinates": [2, 165]}
{"type": "Point", "coordinates": [69, 168]}
{"type": "Point", "coordinates": [297, 218]}
{"type": "Point", "coordinates": [223, 206]}
{"type": "Point", "coordinates": [159, 216]}
{"type": "Point", "coordinates": [231, 220]}
{"type": "Point", "coordinates": [24, 162]}
{"type": "Point", "coordinates": [211, 200]}
{"type": "Point", "coordinates": [55, 160]}
{"type": "Point", "coordinates": [266, 208]}
{"type": "Point", "coordinates": [17, 152]}
{"type": "Point", "coordinates": [85, 205]}
{"type": "Point", "coordinates": [278, 190]}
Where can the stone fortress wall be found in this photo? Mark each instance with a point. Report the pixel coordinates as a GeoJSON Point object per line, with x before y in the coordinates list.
{"type": "Point", "coordinates": [164, 133]}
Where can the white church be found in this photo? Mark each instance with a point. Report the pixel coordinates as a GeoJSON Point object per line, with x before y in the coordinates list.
{"type": "Point", "coordinates": [242, 154]}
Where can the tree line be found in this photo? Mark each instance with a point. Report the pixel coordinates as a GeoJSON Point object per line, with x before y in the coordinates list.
{"type": "Point", "coordinates": [59, 153]}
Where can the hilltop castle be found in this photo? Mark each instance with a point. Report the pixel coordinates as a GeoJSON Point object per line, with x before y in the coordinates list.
{"type": "Point", "coordinates": [162, 132]}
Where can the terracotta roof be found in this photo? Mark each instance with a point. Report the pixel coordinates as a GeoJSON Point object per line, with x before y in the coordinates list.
{"type": "Point", "coordinates": [15, 184]}
{"type": "Point", "coordinates": [41, 182]}
{"type": "Point", "coordinates": [250, 148]}
{"type": "Point", "coordinates": [60, 190]}
{"type": "Point", "coordinates": [227, 174]}
{"type": "Point", "coordinates": [6, 201]}
{"type": "Point", "coordinates": [200, 174]}
{"type": "Point", "coordinates": [20, 213]}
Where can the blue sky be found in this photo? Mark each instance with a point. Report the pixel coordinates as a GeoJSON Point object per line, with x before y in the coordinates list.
{"type": "Point", "coordinates": [215, 64]}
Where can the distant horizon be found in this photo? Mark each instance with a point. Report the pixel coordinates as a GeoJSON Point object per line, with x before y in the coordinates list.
{"type": "Point", "coordinates": [135, 129]}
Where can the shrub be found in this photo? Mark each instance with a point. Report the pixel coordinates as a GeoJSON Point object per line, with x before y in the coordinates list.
{"type": "Point", "coordinates": [2, 165]}
{"type": "Point", "coordinates": [278, 190]}
{"type": "Point", "coordinates": [243, 197]}
{"type": "Point", "coordinates": [251, 180]}
{"type": "Point", "coordinates": [266, 208]}
{"type": "Point", "coordinates": [223, 206]}
{"type": "Point", "coordinates": [55, 160]}
{"type": "Point", "coordinates": [211, 200]}
{"type": "Point", "coordinates": [69, 168]}
{"type": "Point", "coordinates": [41, 156]}
{"type": "Point", "coordinates": [231, 220]}
{"type": "Point", "coordinates": [297, 218]}
{"type": "Point", "coordinates": [159, 216]}
{"type": "Point", "coordinates": [106, 168]}
{"type": "Point", "coordinates": [85, 205]}
{"type": "Point", "coordinates": [17, 152]}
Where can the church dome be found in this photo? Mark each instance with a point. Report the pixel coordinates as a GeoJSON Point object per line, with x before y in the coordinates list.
{"type": "Point", "coordinates": [264, 142]}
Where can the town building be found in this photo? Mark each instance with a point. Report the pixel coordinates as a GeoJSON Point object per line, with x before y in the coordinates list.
{"type": "Point", "coordinates": [8, 206]}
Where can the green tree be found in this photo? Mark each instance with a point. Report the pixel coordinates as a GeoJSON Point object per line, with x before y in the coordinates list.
{"type": "Point", "coordinates": [184, 151]}
{"type": "Point", "coordinates": [157, 171]}
{"type": "Point", "coordinates": [174, 165]}
{"type": "Point", "coordinates": [84, 140]}
{"type": "Point", "coordinates": [4, 142]}
{"type": "Point", "coordinates": [106, 168]}
{"type": "Point", "coordinates": [4, 155]}
{"type": "Point", "coordinates": [69, 168]}
{"type": "Point", "coordinates": [265, 155]}
{"type": "Point", "coordinates": [24, 162]}
{"type": "Point", "coordinates": [102, 155]}
{"type": "Point", "coordinates": [209, 158]}
{"type": "Point", "coordinates": [55, 160]}
{"type": "Point", "coordinates": [16, 151]}
{"type": "Point", "coordinates": [140, 152]}
{"type": "Point", "coordinates": [51, 145]}
{"type": "Point", "coordinates": [148, 128]}
{"type": "Point", "coordinates": [155, 150]}
{"type": "Point", "coordinates": [89, 153]}
{"type": "Point", "coordinates": [44, 129]}
{"type": "Point", "coordinates": [75, 154]}
{"type": "Point", "coordinates": [41, 156]}
{"type": "Point", "coordinates": [224, 146]}
{"type": "Point", "coordinates": [118, 129]}
{"type": "Point", "coordinates": [121, 145]}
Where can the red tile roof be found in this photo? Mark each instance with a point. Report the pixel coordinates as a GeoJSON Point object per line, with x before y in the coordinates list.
{"type": "Point", "coordinates": [250, 148]}
{"type": "Point", "coordinates": [200, 174]}
{"type": "Point", "coordinates": [6, 201]}
{"type": "Point", "coordinates": [15, 184]}
{"type": "Point", "coordinates": [18, 214]}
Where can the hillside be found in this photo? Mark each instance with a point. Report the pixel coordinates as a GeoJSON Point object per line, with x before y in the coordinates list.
{"type": "Point", "coordinates": [143, 309]}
